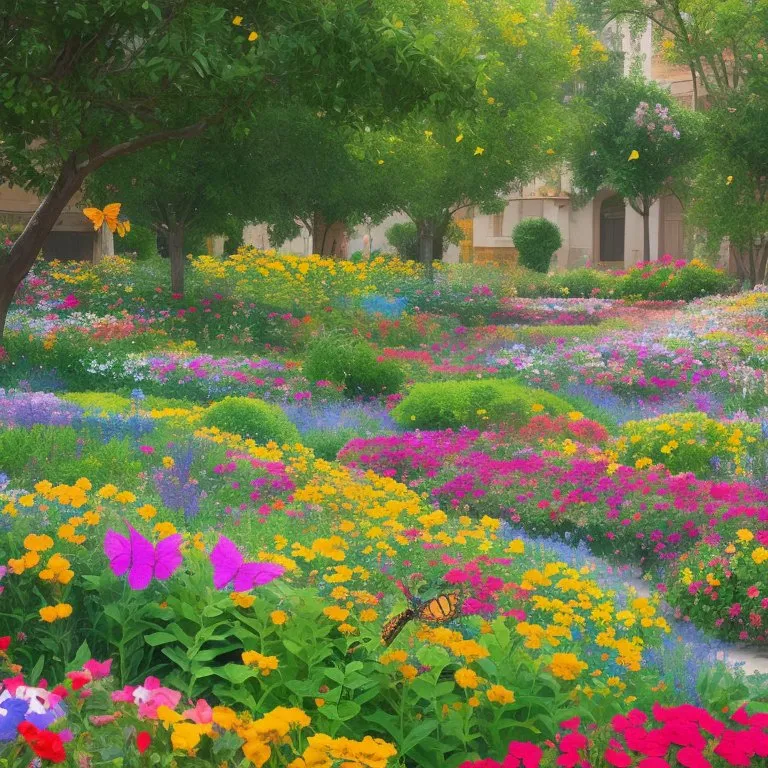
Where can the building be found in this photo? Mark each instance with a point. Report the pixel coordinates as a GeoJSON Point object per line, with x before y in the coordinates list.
{"type": "Point", "coordinates": [605, 232]}
{"type": "Point", "coordinates": [73, 237]}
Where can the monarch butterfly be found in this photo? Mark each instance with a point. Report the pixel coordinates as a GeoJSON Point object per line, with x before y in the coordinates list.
{"type": "Point", "coordinates": [438, 609]}
{"type": "Point", "coordinates": [109, 217]}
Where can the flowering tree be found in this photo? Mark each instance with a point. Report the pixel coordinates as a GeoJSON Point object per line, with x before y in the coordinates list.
{"type": "Point", "coordinates": [630, 137]}
{"type": "Point", "coordinates": [84, 83]}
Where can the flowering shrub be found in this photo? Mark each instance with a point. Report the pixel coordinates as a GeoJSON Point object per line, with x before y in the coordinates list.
{"type": "Point", "coordinates": [251, 418]}
{"type": "Point", "coordinates": [687, 442]}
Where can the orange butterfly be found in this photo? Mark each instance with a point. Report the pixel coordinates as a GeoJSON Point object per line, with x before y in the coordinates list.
{"type": "Point", "coordinates": [109, 217]}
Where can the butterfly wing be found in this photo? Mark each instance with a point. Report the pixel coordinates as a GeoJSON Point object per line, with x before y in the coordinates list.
{"type": "Point", "coordinates": [111, 212]}
{"type": "Point", "coordinates": [226, 561]}
{"type": "Point", "coordinates": [440, 608]}
{"type": "Point", "coordinates": [251, 575]}
{"type": "Point", "coordinates": [118, 549]}
{"type": "Point", "coordinates": [143, 561]}
{"type": "Point", "coordinates": [95, 215]}
{"type": "Point", "coordinates": [168, 556]}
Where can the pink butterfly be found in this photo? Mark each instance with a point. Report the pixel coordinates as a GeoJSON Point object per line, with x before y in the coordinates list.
{"type": "Point", "coordinates": [140, 559]}
{"type": "Point", "coordinates": [230, 566]}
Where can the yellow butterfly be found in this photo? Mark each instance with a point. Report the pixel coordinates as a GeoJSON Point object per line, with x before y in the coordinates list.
{"type": "Point", "coordinates": [108, 216]}
{"type": "Point", "coordinates": [633, 155]}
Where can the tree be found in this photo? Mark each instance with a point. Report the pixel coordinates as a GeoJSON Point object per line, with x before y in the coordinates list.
{"type": "Point", "coordinates": [184, 191]}
{"type": "Point", "coordinates": [630, 136]}
{"type": "Point", "coordinates": [84, 83]}
{"type": "Point", "coordinates": [730, 191]}
{"type": "Point", "coordinates": [433, 166]}
{"type": "Point", "coordinates": [713, 38]}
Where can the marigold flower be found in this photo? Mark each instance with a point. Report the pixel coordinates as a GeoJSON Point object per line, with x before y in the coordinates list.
{"type": "Point", "coordinates": [278, 618]}
{"type": "Point", "coordinates": [498, 694]}
{"type": "Point", "coordinates": [466, 678]}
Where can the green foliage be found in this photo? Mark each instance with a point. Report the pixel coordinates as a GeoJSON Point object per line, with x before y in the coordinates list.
{"type": "Point", "coordinates": [536, 240]}
{"type": "Point", "coordinates": [252, 418]}
{"type": "Point", "coordinates": [63, 455]}
{"type": "Point", "coordinates": [326, 443]}
{"type": "Point", "coordinates": [352, 363]}
{"type": "Point", "coordinates": [453, 404]}
{"type": "Point", "coordinates": [404, 238]}
{"type": "Point", "coordinates": [99, 402]}
{"type": "Point", "coordinates": [140, 240]}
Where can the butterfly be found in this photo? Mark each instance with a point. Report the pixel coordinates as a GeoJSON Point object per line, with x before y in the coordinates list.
{"type": "Point", "coordinates": [137, 556]}
{"type": "Point", "coordinates": [108, 216]}
{"type": "Point", "coordinates": [230, 566]}
{"type": "Point", "coordinates": [439, 609]}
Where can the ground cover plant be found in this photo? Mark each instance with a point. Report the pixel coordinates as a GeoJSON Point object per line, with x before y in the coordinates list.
{"type": "Point", "coordinates": [343, 513]}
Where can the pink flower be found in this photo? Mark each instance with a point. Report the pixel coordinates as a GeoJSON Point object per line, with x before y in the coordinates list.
{"type": "Point", "coordinates": [617, 758]}
{"type": "Point", "coordinates": [98, 669]}
{"type": "Point", "coordinates": [753, 592]}
{"type": "Point", "coordinates": [201, 714]}
{"type": "Point", "coordinates": [692, 758]}
{"type": "Point", "coordinates": [521, 751]}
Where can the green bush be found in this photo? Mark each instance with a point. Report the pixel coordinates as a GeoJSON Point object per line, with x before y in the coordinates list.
{"type": "Point", "coordinates": [404, 239]}
{"type": "Point", "coordinates": [326, 443]}
{"type": "Point", "coordinates": [583, 284]}
{"type": "Point", "coordinates": [352, 363]}
{"type": "Point", "coordinates": [536, 241]}
{"type": "Point", "coordinates": [99, 402]}
{"type": "Point", "coordinates": [140, 240]}
{"type": "Point", "coordinates": [480, 404]}
{"type": "Point", "coordinates": [252, 418]}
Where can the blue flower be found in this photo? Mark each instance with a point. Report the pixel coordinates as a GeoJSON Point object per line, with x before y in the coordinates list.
{"type": "Point", "coordinates": [12, 713]}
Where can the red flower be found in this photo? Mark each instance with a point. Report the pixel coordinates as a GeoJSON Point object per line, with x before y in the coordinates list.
{"type": "Point", "coordinates": [45, 744]}
{"type": "Point", "coordinates": [617, 758]}
{"type": "Point", "coordinates": [5, 641]}
{"type": "Point", "coordinates": [143, 740]}
{"type": "Point", "coordinates": [571, 725]}
{"type": "Point", "coordinates": [525, 752]}
{"type": "Point", "coordinates": [692, 758]}
{"type": "Point", "coordinates": [79, 679]}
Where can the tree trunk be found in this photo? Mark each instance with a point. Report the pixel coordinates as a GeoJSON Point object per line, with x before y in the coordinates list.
{"type": "Point", "coordinates": [646, 233]}
{"type": "Point", "coordinates": [437, 244]}
{"type": "Point", "coordinates": [30, 242]}
{"type": "Point", "coordinates": [426, 230]}
{"type": "Point", "coordinates": [176, 255]}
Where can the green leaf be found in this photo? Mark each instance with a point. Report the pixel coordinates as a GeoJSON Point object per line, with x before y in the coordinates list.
{"type": "Point", "coordinates": [159, 638]}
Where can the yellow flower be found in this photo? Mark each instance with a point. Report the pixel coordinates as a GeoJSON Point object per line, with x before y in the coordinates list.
{"type": "Point", "coordinates": [27, 500]}
{"type": "Point", "coordinates": [760, 555]}
{"type": "Point", "coordinates": [224, 717]}
{"type": "Point", "coordinates": [237, 21]}
{"type": "Point", "coordinates": [729, 181]}
{"type": "Point", "coordinates": [537, 407]}
{"type": "Point", "coordinates": [186, 736]}
{"type": "Point", "coordinates": [253, 37]}
{"type": "Point", "coordinates": [335, 613]}
{"type": "Point", "coordinates": [396, 657]}
{"type": "Point", "coordinates": [347, 629]}
{"type": "Point", "coordinates": [567, 666]}
{"type": "Point", "coordinates": [634, 155]}
{"type": "Point", "coordinates": [278, 617]}
{"type": "Point", "coordinates": [27, 560]}
{"type": "Point", "coordinates": [242, 600]}
{"type": "Point", "coordinates": [168, 462]}
{"type": "Point", "coordinates": [516, 547]}
{"type": "Point", "coordinates": [125, 497]}
{"type": "Point", "coordinates": [107, 491]}
{"type": "Point", "coordinates": [478, 151]}
{"type": "Point", "coordinates": [51, 613]}
{"type": "Point", "coordinates": [466, 678]}
{"type": "Point", "coordinates": [38, 543]}
{"type": "Point", "coordinates": [498, 694]}
{"type": "Point", "coordinates": [460, 138]}
{"type": "Point", "coordinates": [408, 671]}
{"type": "Point", "coordinates": [57, 570]}
{"type": "Point", "coordinates": [368, 615]}
{"type": "Point", "coordinates": [146, 512]}
{"type": "Point", "coordinates": [266, 664]}
{"type": "Point", "coordinates": [744, 534]}
{"type": "Point", "coordinates": [164, 530]}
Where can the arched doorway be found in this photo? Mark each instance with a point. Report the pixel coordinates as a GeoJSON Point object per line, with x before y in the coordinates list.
{"type": "Point", "coordinates": [612, 229]}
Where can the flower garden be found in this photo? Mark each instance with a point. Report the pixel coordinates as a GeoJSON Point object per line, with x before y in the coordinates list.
{"type": "Point", "coordinates": [318, 513]}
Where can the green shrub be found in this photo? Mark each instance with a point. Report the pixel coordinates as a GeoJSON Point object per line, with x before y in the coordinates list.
{"type": "Point", "coordinates": [536, 241]}
{"type": "Point", "coordinates": [140, 240]}
{"type": "Point", "coordinates": [404, 238]}
{"type": "Point", "coordinates": [252, 418]}
{"type": "Point", "coordinates": [326, 443]}
{"type": "Point", "coordinates": [583, 284]}
{"type": "Point", "coordinates": [453, 404]}
{"type": "Point", "coordinates": [353, 364]}
{"type": "Point", "coordinates": [686, 442]}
